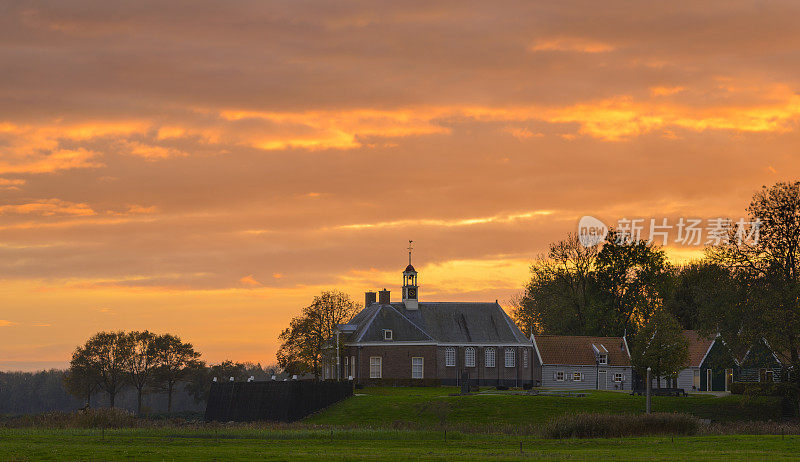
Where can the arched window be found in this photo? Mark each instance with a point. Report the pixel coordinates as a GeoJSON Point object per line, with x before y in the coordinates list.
{"type": "Point", "coordinates": [449, 356]}
{"type": "Point", "coordinates": [469, 357]}
{"type": "Point", "coordinates": [489, 356]}
{"type": "Point", "coordinates": [511, 357]}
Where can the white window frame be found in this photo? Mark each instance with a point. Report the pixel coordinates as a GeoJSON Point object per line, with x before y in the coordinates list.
{"type": "Point", "coordinates": [375, 361]}
{"type": "Point", "coordinates": [560, 376]}
{"type": "Point", "coordinates": [450, 357]}
{"type": "Point", "coordinates": [618, 376]}
{"type": "Point", "coordinates": [577, 376]}
{"type": "Point", "coordinates": [469, 357]}
{"type": "Point", "coordinates": [387, 334]}
{"type": "Point", "coordinates": [421, 367]}
{"type": "Point", "coordinates": [510, 358]}
{"type": "Point", "coordinates": [352, 366]}
{"type": "Point", "coordinates": [489, 357]}
{"type": "Point", "coordinates": [603, 360]}
{"type": "Point", "coordinates": [525, 358]}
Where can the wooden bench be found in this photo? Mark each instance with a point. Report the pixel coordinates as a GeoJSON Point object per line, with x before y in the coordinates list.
{"type": "Point", "coordinates": [660, 392]}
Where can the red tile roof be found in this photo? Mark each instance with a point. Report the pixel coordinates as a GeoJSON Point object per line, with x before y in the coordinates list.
{"type": "Point", "coordinates": [577, 351]}
{"type": "Point", "coordinates": [698, 347]}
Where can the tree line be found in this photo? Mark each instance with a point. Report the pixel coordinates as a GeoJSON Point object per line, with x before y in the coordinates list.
{"type": "Point", "coordinates": [111, 361]}
{"type": "Point", "coordinates": [742, 289]}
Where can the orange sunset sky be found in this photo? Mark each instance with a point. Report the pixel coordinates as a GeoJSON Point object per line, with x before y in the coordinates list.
{"type": "Point", "coordinates": [205, 168]}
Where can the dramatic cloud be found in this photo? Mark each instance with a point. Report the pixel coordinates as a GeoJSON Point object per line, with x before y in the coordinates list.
{"type": "Point", "coordinates": [206, 168]}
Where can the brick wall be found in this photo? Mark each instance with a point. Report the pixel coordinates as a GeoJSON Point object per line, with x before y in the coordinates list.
{"type": "Point", "coordinates": [396, 364]}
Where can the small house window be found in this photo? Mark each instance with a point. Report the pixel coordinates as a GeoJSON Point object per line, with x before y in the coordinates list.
{"type": "Point", "coordinates": [387, 334]}
{"type": "Point", "coordinates": [469, 357]}
{"type": "Point", "coordinates": [560, 376]}
{"type": "Point", "coordinates": [603, 359]}
{"type": "Point", "coordinates": [417, 367]}
{"type": "Point", "coordinates": [375, 367]}
{"type": "Point", "coordinates": [511, 357]}
{"type": "Point", "coordinates": [577, 376]}
{"type": "Point", "coordinates": [525, 358]}
{"type": "Point", "coordinates": [449, 356]}
{"type": "Point", "coordinates": [489, 356]}
{"type": "Point", "coordinates": [618, 377]}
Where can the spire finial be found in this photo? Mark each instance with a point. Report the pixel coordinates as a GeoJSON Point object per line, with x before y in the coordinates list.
{"type": "Point", "coordinates": [410, 248]}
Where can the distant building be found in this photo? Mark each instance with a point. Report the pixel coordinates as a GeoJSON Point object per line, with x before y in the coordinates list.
{"type": "Point", "coordinates": [582, 363]}
{"type": "Point", "coordinates": [710, 367]}
{"type": "Point", "coordinates": [417, 342]}
{"type": "Point", "coordinates": [761, 363]}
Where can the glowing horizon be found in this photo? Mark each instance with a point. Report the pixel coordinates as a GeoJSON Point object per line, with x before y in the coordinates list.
{"type": "Point", "coordinates": [206, 171]}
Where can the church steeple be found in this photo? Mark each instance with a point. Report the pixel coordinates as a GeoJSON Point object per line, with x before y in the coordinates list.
{"type": "Point", "coordinates": [410, 288]}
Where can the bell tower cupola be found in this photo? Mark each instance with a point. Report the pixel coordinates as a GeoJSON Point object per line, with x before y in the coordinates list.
{"type": "Point", "coordinates": [410, 287]}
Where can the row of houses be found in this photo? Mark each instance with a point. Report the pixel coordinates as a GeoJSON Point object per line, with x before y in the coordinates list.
{"type": "Point", "coordinates": [411, 342]}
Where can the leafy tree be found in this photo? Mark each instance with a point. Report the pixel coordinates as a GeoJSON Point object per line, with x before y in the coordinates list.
{"type": "Point", "coordinates": [176, 361]}
{"type": "Point", "coordinates": [633, 276]}
{"type": "Point", "coordinates": [660, 345]}
{"type": "Point", "coordinates": [82, 380]}
{"type": "Point", "coordinates": [141, 362]}
{"type": "Point", "coordinates": [767, 270]}
{"type": "Point", "coordinates": [701, 289]}
{"type": "Point", "coordinates": [561, 296]}
{"type": "Point", "coordinates": [304, 338]}
{"type": "Point", "coordinates": [106, 354]}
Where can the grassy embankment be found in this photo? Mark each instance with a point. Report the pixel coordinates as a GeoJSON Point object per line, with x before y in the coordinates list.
{"type": "Point", "coordinates": [402, 424]}
{"type": "Point", "coordinates": [297, 445]}
{"type": "Point", "coordinates": [426, 407]}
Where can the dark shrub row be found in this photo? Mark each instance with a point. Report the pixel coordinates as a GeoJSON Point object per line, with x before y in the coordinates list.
{"type": "Point", "coordinates": [90, 418]}
{"type": "Point", "coordinates": [782, 389]}
{"type": "Point", "coordinates": [621, 425]}
{"type": "Point", "coordinates": [787, 391]}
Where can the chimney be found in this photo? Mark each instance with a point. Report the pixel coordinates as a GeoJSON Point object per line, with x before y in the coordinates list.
{"type": "Point", "coordinates": [370, 298]}
{"type": "Point", "coordinates": [383, 297]}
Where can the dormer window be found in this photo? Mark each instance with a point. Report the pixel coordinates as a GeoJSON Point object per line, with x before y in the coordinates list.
{"type": "Point", "coordinates": [603, 359]}
{"type": "Point", "coordinates": [387, 334]}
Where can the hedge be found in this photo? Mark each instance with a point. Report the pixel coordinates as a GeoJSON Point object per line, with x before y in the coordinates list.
{"type": "Point", "coordinates": [787, 391]}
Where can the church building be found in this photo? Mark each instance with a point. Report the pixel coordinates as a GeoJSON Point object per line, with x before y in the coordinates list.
{"type": "Point", "coordinates": [415, 342]}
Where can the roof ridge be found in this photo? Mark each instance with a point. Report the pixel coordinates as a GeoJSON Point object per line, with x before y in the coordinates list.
{"type": "Point", "coordinates": [411, 322]}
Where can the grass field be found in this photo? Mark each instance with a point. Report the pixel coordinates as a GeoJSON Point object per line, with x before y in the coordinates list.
{"type": "Point", "coordinates": [407, 423]}
{"type": "Point", "coordinates": [294, 445]}
{"type": "Point", "coordinates": [423, 407]}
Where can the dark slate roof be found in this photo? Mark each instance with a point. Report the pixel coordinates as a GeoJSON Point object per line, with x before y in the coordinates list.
{"type": "Point", "coordinates": [409, 268]}
{"type": "Point", "coordinates": [438, 323]}
{"type": "Point", "coordinates": [573, 350]}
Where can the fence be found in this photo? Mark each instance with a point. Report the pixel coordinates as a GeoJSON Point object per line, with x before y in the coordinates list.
{"type": "Point", "coordinates": [270, 400]}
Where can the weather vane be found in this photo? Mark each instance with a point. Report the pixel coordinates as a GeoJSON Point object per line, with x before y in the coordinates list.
{"type": "Point", "coordinates": [410, 248]}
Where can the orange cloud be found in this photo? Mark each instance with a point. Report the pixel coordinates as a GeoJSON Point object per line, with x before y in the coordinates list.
{"type": "Point", "coordinates": [6, 323]}
{"type": "Point", "coordinates": [48, 207]}
{"type": "Point", "coordinates": [249, 280]}
{"type": "Point", "coordinates": [522, 133]}
{"type": "Point", "coordinates": [152, 152]}
{"type": "Point", "coordinates": [665, 91]}
{"type": "Point", "coordinates": [11, 184]}
{"type": "Point", "coordinates": [448, 223]}
{"type": "Point", "coordinates": [573, 44]}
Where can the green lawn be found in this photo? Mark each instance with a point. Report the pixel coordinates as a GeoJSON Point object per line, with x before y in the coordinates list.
{"type": "Point", "coordinates": [241, 444]}
{"type": "Point", "coordinates": [424, 407]}
{"type": "Point", "coordinates": [405, 423]}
